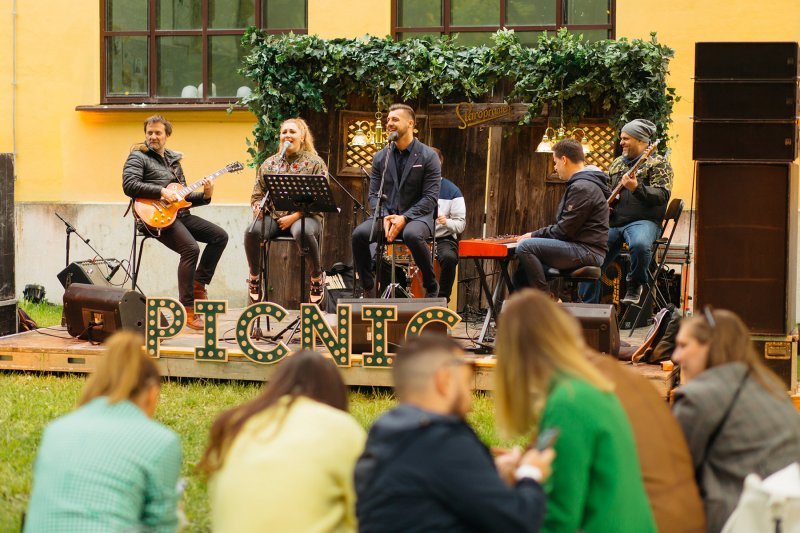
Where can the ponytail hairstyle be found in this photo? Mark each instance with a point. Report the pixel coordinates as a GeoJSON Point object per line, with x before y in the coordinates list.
{"type": "Point", "coordinates": [124, 371]}
{"type": "Point", "coordinates": [307, 144]}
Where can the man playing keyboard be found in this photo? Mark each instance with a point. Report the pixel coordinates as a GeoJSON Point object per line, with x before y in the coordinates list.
{"type": "Point", "coordinates": [580, 235]}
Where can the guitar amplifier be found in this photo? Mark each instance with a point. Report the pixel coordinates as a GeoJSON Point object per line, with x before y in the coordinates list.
{"type": "Point", "coordinates": [89, 272]}
{"type": "Point", "coordinates": [779, 353]}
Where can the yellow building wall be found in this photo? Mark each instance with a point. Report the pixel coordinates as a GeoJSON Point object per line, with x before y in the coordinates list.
{"type": "Point", "coordinates": [71, 156]}
{"type": "Point", "coordinates": [682, 23]}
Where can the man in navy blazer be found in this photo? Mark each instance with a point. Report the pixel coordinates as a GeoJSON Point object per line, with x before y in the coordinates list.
{"type": "Point", "coordinates": [411, 173]}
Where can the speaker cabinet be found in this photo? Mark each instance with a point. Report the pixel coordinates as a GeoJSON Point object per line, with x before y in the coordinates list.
{"type": "Point", "coordinates": [599, 325]}
{"type": "Point", "coordinates": [87, 272]}
{"type": "Point", "coordinates": [740, 140]}
{"type": "Point", "coordinates": [780, 356]}
{"type": "Point", "coordinates": [746, 254]}
{"type": "Point", "coordinates": [764, 61]}
{"type": "Point", "coordinates": [743, 99]}
{"type": "Point", "coordinates": [361, 331]}
{"type": "Point", "coordinates": [7, 227]}
{"type": "Point", "coordinates": [9, 321]}
{"type": "Point", "coordinates": [94, 313]}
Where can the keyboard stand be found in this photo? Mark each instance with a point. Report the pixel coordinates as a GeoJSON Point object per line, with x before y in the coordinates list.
{"type": "Point", "coordinates": [493, 298]}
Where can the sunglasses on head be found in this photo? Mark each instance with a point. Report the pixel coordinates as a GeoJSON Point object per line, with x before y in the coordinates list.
{"type": "Point", "coordinates": [709, 316]}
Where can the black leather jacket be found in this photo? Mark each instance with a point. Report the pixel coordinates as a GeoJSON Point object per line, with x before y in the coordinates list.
{"type": "Point", "coordinates": [145, 173]}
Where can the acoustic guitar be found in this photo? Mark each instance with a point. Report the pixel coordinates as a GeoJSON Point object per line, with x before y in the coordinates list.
{"type": "Point", "coordinates": [160, 213]}
{"type": "Point", "coordinates": [614, 198]}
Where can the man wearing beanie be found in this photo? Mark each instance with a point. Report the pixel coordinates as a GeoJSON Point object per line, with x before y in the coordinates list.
{"type": "Point", "coordinates": [637, 216]}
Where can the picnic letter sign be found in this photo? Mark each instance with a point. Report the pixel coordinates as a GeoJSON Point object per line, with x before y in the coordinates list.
{"type": "Point", "coordinates": [336, 337]}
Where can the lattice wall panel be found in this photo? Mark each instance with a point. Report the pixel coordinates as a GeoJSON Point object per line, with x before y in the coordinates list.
{"type": "Point", "coordinates": [355, 156]}
{"type": "Point", "coordinates": [602, 137]}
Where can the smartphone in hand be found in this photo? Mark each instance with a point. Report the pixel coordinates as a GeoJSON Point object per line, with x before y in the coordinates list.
{"type": "Point", "coordinates": [547, 439]}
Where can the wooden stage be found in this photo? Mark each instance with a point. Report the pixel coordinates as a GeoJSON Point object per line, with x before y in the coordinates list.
{"type": "Point", "coordinates": [53, 350]}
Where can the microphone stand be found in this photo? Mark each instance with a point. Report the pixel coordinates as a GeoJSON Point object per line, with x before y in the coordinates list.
{"type": "Point", "coordinates": [70, 229]}
{"type": "Point", "coordinates": [375, 215]}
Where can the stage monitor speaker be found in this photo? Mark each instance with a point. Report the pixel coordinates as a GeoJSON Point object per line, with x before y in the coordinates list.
{"type": "Point", "coordinates": [88, 272]}
{"type": "Point", "coordinates": [741, 140]}
{"type": "Point", "coordinates": [361, 331]}
{"type": "Point", "coordinates": [743, 100]}
{"type": "Point", "coordinates": [746, 252]}
{"type": "Point", "coordinates": [755, 61]}
{"type": "Point", "coordinates": [94, 313]}
{"type": "Point", "coordinates": [599, 325]}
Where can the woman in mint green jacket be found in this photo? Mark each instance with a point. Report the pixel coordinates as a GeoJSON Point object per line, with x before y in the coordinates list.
{"type": "Point", "coordinates": [544, 379]}
{"type": "Point", "coordinates": [107, 466]}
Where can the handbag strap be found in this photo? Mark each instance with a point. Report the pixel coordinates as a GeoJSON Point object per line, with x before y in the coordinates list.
{"type": "Point", "coordinates": [717, 430]}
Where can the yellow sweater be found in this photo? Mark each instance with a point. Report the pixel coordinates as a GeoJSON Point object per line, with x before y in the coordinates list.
{"type": "Point", "coordinates": [289, 472]}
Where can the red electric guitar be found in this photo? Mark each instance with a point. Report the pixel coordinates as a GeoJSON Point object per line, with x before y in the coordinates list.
{"type": "Point", "coordinates": [159, 213]}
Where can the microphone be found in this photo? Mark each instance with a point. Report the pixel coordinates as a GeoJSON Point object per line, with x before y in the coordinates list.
{"type": "Point", "coordinates": [113, 271]}
{"type": "Point", "coordinates": [286, 144]}
{"type": "Point", "coordinates": [393, 136]}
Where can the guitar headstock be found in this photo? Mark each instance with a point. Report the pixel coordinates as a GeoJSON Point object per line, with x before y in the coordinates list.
{"type": "Point", "coordinates": [650, 149]}
{"type": "Point", "coordinates": [234, 167]}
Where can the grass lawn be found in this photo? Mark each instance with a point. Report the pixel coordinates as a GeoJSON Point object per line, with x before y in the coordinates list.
{"type": "Point", "coordinates": [29, 400]}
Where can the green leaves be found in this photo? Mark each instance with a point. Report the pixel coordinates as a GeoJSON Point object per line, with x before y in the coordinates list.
{"type": "Point", "coordinates": [619, 79]}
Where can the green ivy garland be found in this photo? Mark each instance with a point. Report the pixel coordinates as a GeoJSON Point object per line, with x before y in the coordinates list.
{"type": "Point", "coordinates": [294, 73]}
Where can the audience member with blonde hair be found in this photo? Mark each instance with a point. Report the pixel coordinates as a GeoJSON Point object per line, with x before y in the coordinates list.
{"type": "Point", "coordinates": [544, 380]}
{"type": "Point", "coordinates": [284, 461]}
{"type": "Point", "coordinates": [107, 466]}
{"type": "Point", "coordinates": [734, 411]}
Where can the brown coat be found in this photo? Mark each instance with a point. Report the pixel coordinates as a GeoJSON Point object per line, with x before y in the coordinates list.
{"type": "Point", "coordinates": [664, 456]}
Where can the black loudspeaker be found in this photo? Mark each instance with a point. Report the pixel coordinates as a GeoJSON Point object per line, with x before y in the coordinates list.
{"type": "Point", "coordinates": [746, 256]}
{"type": "Point", "coordinates": [8, 317]}
{"type": "Point", "coordinates": [745, 140]}
{"type": "Point", "coordinates": [7, 227]}
{"type": "Point", "coordinates": [406, 308]}
{"type": "Point", "coordinates": [599, 325]}
{"type": "Point", "coordinates": [745, 99]}
{"type": "Point", "coordinates": [760, 61]}
{"type": "Point", "coordinates": [88, 272]}
{"type": "Point", "coordinates": [94, 313]}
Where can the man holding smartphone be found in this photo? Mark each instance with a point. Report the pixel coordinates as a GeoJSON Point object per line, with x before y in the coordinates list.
{"type": "Point", "coordinates": [424, 468]}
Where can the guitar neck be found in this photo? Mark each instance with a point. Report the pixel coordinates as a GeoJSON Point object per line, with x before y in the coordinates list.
{"type": "Point", "coordinates": [639, 162]}
{"type": "Point", "coordinates": [197, 184]}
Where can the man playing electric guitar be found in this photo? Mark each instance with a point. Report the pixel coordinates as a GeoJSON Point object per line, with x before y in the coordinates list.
{"type": "Point", "coordinates": [150, 168]}
{"type": "Point", "coordinates": [637, 216]}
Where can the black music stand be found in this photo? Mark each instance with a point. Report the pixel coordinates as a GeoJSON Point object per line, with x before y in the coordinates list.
{"type": "Point", "coordinates": [307, 193]}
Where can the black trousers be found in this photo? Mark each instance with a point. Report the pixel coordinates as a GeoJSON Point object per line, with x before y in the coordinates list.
{"type": "Point", "coordinates": [447, 255]}
{"type": "Point", "coordinates": [253, 238]}
{"type": "Point", "coordinates": [182, 237]}
{"type": "Point", "coordinates": [415, 235]}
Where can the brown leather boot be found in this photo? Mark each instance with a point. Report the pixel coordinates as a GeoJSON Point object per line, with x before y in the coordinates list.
{"type": "Point", "coordinates": [200, 292]}
{"type": "Point", "coordinates": [193, 321]}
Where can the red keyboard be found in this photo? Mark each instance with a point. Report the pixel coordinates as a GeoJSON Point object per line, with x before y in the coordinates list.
{"type": "Point", "coordinates": [495, 247]}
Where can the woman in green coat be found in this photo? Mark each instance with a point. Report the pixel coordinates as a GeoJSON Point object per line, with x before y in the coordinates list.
{"type": "Point", "coordinates": [544, 379]}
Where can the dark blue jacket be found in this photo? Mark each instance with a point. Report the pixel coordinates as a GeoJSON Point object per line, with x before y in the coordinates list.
{"type": "Point", "coordinates": [422, 471]}
{"type": "Point", "coordinates": [416, 192]}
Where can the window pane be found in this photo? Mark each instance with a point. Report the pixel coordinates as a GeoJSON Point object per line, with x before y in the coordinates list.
{"type": "Point", "coordinates": [419, 13]}
{"type": "Point", "coordinates": [179, 15]}
{"type": "Point", "coordinates": [126, 64]}
{"type": "Point", "coordinates": [529, 38]}
{"type": "Point", "coordinates": [475, 13]}
{"type": "Point", "coordinates": [587, 12]}
{"type": "Point", "coordinates": [126, 15]}
{"type": "Point", "coordinates": [226, 58]}
{"type": "Point", "coordinates": [180, 69]}
{"type": "Point", "coordinates": [591, 35]}
{"type": "Point", "coordinates": [475, 38]}
{"type": "Point", "coordinates": [227, 14]}
{"type": "Point", "coordinates": [429, 35]}
{"type": "Point", "coordinates": [530, 12]}
{"type": "Point", "coordinates": [285, 14]}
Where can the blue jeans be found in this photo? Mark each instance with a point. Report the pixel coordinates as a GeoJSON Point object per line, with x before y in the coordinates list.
{"type": "Point", "coordinates": [640, 236]}
{"type": "Point", "coordinates": [536, 252]}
